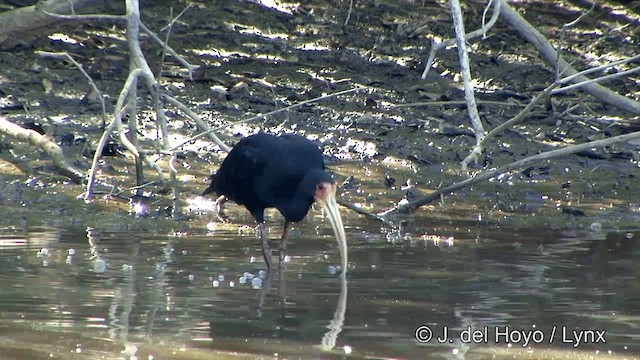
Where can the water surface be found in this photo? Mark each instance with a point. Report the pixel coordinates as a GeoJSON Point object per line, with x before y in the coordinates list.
{"type": "Point", "coordinates": [79, 293]}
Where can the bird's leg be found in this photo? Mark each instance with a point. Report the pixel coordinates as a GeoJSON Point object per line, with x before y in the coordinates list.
{"type": "Point", "coordinates": [266, 252]}
{"type": "Point", "coordinates": [283, 242]}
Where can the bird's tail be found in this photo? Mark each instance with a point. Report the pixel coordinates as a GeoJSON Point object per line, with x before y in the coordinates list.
{"type": "Point", "coordinates": [212, 187]}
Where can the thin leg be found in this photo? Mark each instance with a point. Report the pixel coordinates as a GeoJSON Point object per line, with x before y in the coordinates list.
{"type": "Point", "coordinates": [266, 252]}
{"type": "Point", "coordinates": [283, 242]}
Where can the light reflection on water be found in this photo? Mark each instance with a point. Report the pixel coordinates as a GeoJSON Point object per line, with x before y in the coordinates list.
{"type": "Point", "coordinates": [156, 294]}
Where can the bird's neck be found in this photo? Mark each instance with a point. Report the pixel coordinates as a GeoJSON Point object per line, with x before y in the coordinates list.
{"type": "Point", "coordinates": [295, 211]}
{"type": "Point", "coordinates": [298, 207]}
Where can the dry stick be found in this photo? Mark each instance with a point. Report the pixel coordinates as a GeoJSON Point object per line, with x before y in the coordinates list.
{"type": "Point", "coordinates": [200, 124]}
{"type": "Point", "coordinates": [190, 67]}
{"type": "Point", "coordinates": [107, 132]}
{"type": "Point", "coordinates": [173, 175]}
{"type": "Point", "coordinates": [138, 59]}
{"type": "Point", "coordinates": [562, 32]}
{"type": "Point", "coordinates": [596, 80]}
{"type": "Point", "coordinates": [460, 102]}
{"type": "Point", "coordinates": [469, 97]}
{"type": "Point", "coordinates": [364, 212]}
{"type": "Point", "coordinates": [66, 56]}
{"type": "Point", "coordinates": [435, 47]}
{"type": "Point", "coordinates": [132, 33]}
{"type": "Point", "coordinates": [86, 16]}
{"type": "Point", "coordinates": [161, 125]}
{"type": "Point", "coordinates": [165, 48]}
{"type": "Point", "coordinates": [346, 21]}
{"type": "Point", "coordinates": [551, 89]}
{"type": "Point", "coordinates": [43, 143]}
{"type": "Point", "coordinates": [411, 206]}
{"type": "Point", "coordinates": [547, 51]}
{"type": "Point", "coordinates": [479, 147]}
{"type": "Point", "coordinates": [139, 70]}
{"type": "Point", "coordinates": [596, 69]}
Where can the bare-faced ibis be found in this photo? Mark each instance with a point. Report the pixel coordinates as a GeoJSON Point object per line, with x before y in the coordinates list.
{"type": "Point", "coordinates": [284, 172]}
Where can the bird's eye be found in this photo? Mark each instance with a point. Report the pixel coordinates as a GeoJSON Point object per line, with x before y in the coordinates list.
{"type": "Point", "coordinates": [320, 187]}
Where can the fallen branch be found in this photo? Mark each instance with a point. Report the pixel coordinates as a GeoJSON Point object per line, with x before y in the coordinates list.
{"type": "Point", "coordinates": [551, 89]}
{"type": "Point", "coordinates": [550, 55]}
{"type": "Point", "coordinates": [44, 144]}
{"type": "Point", "coordinates": [413, 205]}
{"type": "Point", "coordinates": [16, 25]}
{"type": "Point", "coordinates": [364, 212]}
{"type": "Point", "coordinates": [465, 71]}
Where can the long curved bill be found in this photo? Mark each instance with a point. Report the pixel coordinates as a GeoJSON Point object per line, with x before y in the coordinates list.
{"type": "Point", "coordinates": [327, 200]}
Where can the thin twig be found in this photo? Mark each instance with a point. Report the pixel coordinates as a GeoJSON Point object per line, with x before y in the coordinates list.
{"type": "Point", "coordinates": [364, 212]}
{"type": "Point", "coordinates": [66, 56]}
{"type": "Point", "coordinates": [435, 47]}
{"type": "Point", "coordinates": [459, 102]}
{"type": "Point", "coordinates": [562, 32]}
{"type": "Point", "coordinates": [346, 21]}
{"type": "Point", "coordinates": [596, 80]}
{"type": "Point", "coordinates": [89, 17]}
{"type": "Point", "coordinates": [190, 67]}
{"type": "Point", "coordinates": [107, 132]}
{"type": "Point", "coordinates": [200, 124]}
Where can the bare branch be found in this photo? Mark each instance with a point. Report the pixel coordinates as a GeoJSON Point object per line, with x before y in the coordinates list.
{"type": "Point", "coordinates": [547, 51]}
{"type": "Point", "coordinates": [596, 80]}
{"type": "Point", "coordinates": [190, 67]}
{"type": "Point", "coordinates": [411, 206]}
{"type": "Point", "coordinates": [200, 124]}
{"type": "Point", "coordinates": [435, 47]}
{"type": "Point", "coordinates": [469, 96]}
{"type": "Point", "coordinates": [66, 56]}
{"type": "Point", "coordinates": [46, 145]}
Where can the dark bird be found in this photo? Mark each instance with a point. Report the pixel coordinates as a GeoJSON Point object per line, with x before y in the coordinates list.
{"type": "Point", "coordinates": [284, 172]}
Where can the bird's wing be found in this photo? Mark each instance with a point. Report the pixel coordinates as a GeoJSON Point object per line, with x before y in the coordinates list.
{"type": "Point", "coordinates": [240, 169]}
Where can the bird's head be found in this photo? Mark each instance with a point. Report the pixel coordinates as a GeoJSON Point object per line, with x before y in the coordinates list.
{"type": "Point", "coordinates": [325, 195]}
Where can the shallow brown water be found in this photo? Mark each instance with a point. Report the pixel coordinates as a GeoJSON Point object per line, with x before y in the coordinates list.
{"type": "Point", "coordinates": [156, 297]}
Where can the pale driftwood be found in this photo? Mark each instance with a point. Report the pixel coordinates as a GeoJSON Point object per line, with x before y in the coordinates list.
{"type": "Point", "coordinates": [469, 96]}
{"type": "Point", "coordinates": [532, 35]}
{"type": "Point", "coordinates": [18, 25]}
{"type": "Point", "coordinates": [43, 143]}
{"type": "Point", "coordinates": [413, 205]}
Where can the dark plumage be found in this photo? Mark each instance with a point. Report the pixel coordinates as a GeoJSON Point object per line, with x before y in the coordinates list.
{"type": "Point", "coordinates": [285, 172]}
